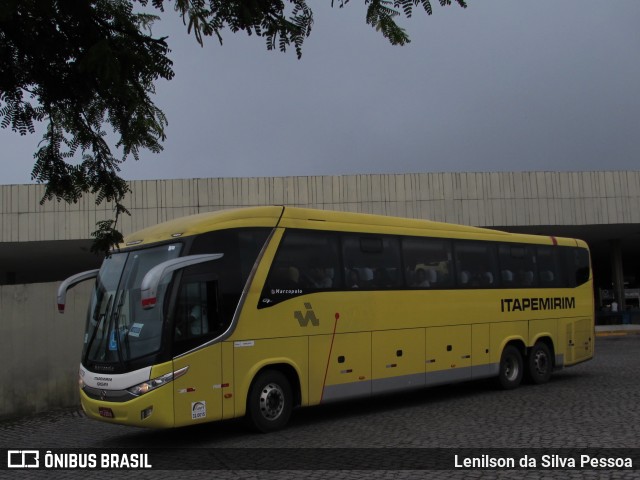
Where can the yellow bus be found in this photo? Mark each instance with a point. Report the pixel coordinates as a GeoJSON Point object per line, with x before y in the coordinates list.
{"type": "Point", "coordinates": [252, 312]}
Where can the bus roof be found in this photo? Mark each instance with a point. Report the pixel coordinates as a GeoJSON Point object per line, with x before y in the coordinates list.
{"type": "Point", "coordinates": [295, 217]}
{"type": "Point", "coordinates": [205, 222]}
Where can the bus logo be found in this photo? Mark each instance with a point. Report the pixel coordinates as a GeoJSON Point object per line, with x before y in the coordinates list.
{"type": "Point", "coordinates": [23, 459]}
{"type": "Point", "coordinates": [309, 316]}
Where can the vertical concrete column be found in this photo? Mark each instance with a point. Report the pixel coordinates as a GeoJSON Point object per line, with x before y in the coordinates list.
{"type": "Point", "coordinates": [617, 273]}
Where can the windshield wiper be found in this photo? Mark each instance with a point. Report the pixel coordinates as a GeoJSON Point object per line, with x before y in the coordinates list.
{"type": "Point", "coordinates": [116, 326]}
{"type": "Point", "coordinates": [95, 330]}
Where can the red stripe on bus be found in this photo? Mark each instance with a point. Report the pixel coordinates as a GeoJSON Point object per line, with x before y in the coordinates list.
{"type": "Point", "coordinates": [335, 325]}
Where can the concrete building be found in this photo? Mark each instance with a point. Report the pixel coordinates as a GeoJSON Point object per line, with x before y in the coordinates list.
{"type": "Point", "coordinates": [41, 244]}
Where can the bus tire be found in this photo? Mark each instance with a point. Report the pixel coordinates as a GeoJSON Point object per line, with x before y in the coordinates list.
{"type": "Point", "coordinates": [511, 368]}
{"type": "Point", "coordinates": [270, 401]}
{"type": "Point", "coordinates": [539, 363]}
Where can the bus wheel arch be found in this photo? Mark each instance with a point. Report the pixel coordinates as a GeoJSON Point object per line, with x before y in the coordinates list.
{"type": "Point", "coordinates": [511, 368]}
{"type": "Point", "coordinates": [540, 361]}
{"type": "Point", "coordinates": [274, 392]}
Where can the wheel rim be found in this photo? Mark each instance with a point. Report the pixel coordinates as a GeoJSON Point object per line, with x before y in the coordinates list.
{"type": "Point", "coordinates": [271, 401]}
{"type": "Point", "coordinates": [511, 368]}
{"type": "Point", "coordinates": [541, 362]}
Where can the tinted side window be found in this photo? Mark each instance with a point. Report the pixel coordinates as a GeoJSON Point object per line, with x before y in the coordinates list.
{"type": "Point", "coordinates": [307, 261]}
{"type": "Point", "coordinates": [517, 265]}
{"type": "Point", "coordinates": [579, 268]}
{"type": "Point", "coordinates": [372, 261]}
{"type": "Point", "coordinates": [240, 248]}
{"type": "Point", "coordinates": [475, 264]}
{"type": "Point", "coordinates": [550, 271]}
{"type": "Point", "coordinates": [208, 293]}
{"type": "Point", "coordinates": [197, 313]}
{"type": "Point", "coordinates": [427, 262]}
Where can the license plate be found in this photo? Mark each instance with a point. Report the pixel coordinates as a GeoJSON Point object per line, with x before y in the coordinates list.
{"type": "Point", "coordinates": [106, 412]}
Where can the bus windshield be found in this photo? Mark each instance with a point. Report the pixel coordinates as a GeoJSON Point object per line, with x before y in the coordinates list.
{"type": "Point", "coordinates": [118, 329]}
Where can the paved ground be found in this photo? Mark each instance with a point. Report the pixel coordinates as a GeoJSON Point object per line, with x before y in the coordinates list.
{"type": "Point", "coordinates": [591, 406]}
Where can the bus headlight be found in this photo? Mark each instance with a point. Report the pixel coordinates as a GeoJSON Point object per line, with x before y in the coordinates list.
{"type": "Point", "coordinates": [154, 383]}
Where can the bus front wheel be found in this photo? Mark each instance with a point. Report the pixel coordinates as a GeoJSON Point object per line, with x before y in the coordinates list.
{"type": "Point", "coordinates": [270, 401]}
{"type": "Point", "coordinates": [539, 363]}
{"type": "Point", "coordinates": [511, 368]}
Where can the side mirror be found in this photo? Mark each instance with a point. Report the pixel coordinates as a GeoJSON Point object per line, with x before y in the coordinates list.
{"type": "Point", "coordinates": [150, 282]}
{"type": "Point", "coordinates": [70, 282]}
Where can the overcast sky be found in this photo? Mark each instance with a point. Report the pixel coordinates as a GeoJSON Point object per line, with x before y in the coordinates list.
{"type": "Point", "coordinates": [503, 85]}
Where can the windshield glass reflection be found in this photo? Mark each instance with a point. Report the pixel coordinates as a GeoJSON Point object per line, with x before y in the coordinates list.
{"type": "Point", "coordinates": [118, 329]}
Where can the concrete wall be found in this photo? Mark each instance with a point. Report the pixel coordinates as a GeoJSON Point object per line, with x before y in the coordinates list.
{"type": "Point", "coordinates": [41, 349]}
{"type": "Point", "coordinates": [481, 199]}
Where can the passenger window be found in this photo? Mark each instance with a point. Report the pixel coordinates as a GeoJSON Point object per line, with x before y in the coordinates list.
{"type": "Point", "coordinates": [427, 262]}
{"type": "Point", "coordinates": [475, 264]}
{"type": "Point", "coordinates": [579, 265]}
{"type": "Point", "coordinates": [550, 272]}
{"type": "Point", "coordinates": [372, 261]}
{"type": "Point", "coordinates": [307, 261]}
{"type": "Point", "coordinates": [517, 265]}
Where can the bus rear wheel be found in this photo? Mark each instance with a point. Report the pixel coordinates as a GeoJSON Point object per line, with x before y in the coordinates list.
{"type": "Point", "coordinates": [539, 363]}
{"type": "Point", "coordinates": [270, 401]}
{"type": "Point", "coordinates": [511, 368]}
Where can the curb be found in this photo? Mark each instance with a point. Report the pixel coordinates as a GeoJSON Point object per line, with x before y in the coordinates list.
{"type": "Point", "coordinates": [617, 330]}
